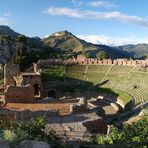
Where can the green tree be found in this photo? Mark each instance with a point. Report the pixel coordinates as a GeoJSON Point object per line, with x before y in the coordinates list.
{"type": "Point", "coordinates": [83, 49]}
{"type": "Point", "coordinates": [34, 129]}
{"type": "Point", "coordinates": [21, 38]}
{"type": "Point", "coordinates": [102, 55]}
{"type": "Point", "coordinates": [136, 132]}
{"type": "Point", "coordinates": [87, 55]}
{"type": "Point", "coordinates": [20, 56]}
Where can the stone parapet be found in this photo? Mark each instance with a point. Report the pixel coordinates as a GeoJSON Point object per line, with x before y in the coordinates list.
{"type": "Point", "coordinates": [90, 61]}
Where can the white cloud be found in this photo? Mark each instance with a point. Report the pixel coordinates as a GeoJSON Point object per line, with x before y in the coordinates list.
{"type": "Point", "coordinates": [86, 14]}
{"type": "Point", "coordinates": [62, 11]}
{"type": "Point", "coordinates": [77, 2]}
{"type": "Point", "coordinates": [4, 21]}
{"type": "Point", "coordinates": [102, 3]}
{"type": "Point", "coordinates": [97, 3]}
{"type": "Point", "coordinates": [111, 41]}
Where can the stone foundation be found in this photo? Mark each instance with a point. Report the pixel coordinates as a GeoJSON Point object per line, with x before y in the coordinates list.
{"type": "Point", "coordinates": [19, 94]}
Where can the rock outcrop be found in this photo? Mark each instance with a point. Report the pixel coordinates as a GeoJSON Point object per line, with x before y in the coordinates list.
{"type": "Point", "coordinates": [33, 144]}
{"type": "Point", "coordinates": [4, 143]}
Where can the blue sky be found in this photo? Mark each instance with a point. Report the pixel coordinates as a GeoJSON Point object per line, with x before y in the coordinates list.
{"type": "Point", "coordinates": [112, 22]}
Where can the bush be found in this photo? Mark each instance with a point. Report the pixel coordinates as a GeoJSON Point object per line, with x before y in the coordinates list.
{"type": "Point", "coordinates": [136, 132]}
{"type": "Point", "coordinates": [9, 135]}
{"type": "Point", "coordinates": [34, 129]}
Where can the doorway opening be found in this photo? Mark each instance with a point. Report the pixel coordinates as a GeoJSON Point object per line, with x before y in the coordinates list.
{"type": "Point", "coordinates": [36, 90]}
{"type": "Point", "coordinates": [52, 93]}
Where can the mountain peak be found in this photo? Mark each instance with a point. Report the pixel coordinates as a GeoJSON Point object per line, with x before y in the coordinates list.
{"type": "Point", "coordinates": [2, 27]}
{"type": "Point", "coordinates": [62, 33]}
{"type": "Point", "coordinates": [6, 30]}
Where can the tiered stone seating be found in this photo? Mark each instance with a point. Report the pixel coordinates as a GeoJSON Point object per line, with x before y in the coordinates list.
{"type": "Point", "coordinates": [125, 78]}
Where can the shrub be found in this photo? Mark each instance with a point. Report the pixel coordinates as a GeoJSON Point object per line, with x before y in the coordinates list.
{"type": "Point", "coordinates": [9, 135]}
{"type": "Point", "coordinates": [136, 132]}
{"type": "Point", "coordinates": [34, 129]}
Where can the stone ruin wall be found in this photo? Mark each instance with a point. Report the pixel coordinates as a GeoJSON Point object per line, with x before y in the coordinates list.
{"type": "Point", "coordinates": [27, 114]}
{"type": "Point", "coordinates": [85, 61]}
{"type": "Point", "coordinates": [35, 79]}
{"type": "Point", "coordinates": [25, 94]}
{"type": "Point", "coordinates": [19, 87]}
{"type": "Point", "coordinates": [9, 72]}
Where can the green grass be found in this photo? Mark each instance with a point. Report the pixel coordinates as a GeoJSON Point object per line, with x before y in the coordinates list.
{"type": "Point", "coordinates": [117, 79]}
{"type": "Point", "coordinates": [124, 96]}
{"type": "Point", "coordinates": [52, 73]}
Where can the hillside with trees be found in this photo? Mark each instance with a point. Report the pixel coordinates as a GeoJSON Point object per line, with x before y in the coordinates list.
{"type": "Point", "coordinates": [18, 48]}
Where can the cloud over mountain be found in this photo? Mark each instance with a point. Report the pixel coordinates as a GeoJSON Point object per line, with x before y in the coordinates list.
{"type": "Point", "coordinates": [112, 41]}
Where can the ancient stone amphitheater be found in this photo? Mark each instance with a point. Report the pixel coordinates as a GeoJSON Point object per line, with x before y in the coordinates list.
{"type": "Point", "coordinates": [130, 79]}
{"type": "Point", "coordinates": [128, 76]}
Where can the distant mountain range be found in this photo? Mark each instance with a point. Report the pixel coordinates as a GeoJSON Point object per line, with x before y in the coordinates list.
{"type": "Point", "coordinates": [67, 42]}
{"type": "Point", "coordinates": [136, 51]}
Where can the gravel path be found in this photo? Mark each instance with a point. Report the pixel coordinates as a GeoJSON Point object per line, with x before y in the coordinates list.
{"type": "Point", "coordinates": [70, 127]}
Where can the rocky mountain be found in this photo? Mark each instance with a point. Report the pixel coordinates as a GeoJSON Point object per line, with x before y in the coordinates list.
{"type": "Point", "coordinates": [9, 45]}
{"type": "Point", "coordinates": [66, 41]}
{"type": "Point", "coordinates": [63, 41]}
{"type": "Point", "coordinates": [6, 30]}
{"type": "Point", "coordinates": [34, 41]}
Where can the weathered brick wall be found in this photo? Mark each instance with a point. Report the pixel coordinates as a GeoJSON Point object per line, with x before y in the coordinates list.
{"type": "Point", "coordinates": [32, 79]}
{"type": "Point", "coordinates": [9, 72]}
{"type": "Point", "coordinates": [81, 61]}
{"type": "Point", "coordinates": [19, 94]}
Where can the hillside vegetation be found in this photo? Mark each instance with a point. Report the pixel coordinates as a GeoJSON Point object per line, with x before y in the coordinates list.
{"type": "Point", "coordinates": [63, 45]}
{"type": "Point", "coordinates": [139, 51]}
{"type": "Point", "coordinates": [136, 132]}
{"type": "Point", "coordinates": [66, 41]}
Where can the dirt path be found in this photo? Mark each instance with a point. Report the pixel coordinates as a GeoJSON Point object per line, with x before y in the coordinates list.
{"type": "Point", "coordinates": [63, 107]}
